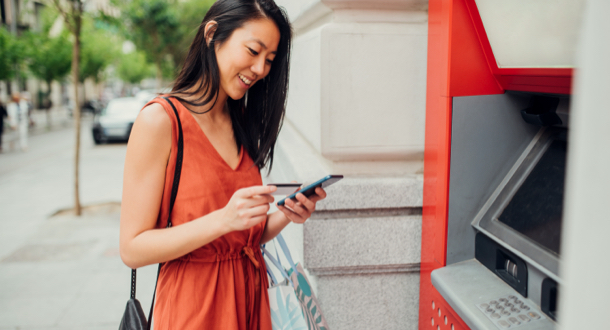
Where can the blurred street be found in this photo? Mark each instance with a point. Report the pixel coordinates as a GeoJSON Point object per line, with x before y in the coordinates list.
{"type": "Point", "coordinates": [59, 271]}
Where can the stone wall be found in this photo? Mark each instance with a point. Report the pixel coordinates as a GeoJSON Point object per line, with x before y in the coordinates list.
{"type": "Point", "coordinates": [357, 107]}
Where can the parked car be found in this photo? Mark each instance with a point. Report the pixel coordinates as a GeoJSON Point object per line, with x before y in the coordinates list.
{"type": "Point", "coordinates": [115, 121]}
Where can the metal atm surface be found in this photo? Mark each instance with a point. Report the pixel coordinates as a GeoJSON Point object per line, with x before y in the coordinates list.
{"type": "Point", "coordinates": [492, 152]}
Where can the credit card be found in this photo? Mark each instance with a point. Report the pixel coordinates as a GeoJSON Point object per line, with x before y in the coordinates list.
{"type": "Point", "coordinates": [284, 189]}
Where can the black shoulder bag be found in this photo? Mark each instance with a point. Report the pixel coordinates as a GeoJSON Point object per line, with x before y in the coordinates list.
{"type": "Point", "coordinates": [134, 317]}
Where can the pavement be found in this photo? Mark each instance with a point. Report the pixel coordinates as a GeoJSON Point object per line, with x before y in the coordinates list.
{"type": "Point", "coordinates": [57, 270]}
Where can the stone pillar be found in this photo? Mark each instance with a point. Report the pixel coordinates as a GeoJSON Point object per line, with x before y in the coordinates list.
{"type": "Point", "coordinates": [357, 107]}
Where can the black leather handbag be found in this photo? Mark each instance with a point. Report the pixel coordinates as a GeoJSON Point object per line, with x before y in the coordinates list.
{"type": "Point", "coordinates": [134, 317]}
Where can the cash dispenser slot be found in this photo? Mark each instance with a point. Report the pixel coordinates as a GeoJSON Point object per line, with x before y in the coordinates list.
{"type": "Point", "coordinates": [510, 268]}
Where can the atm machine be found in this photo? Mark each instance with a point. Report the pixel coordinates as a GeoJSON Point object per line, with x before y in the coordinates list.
{"type": "Point", "coordinates": [497, 122]}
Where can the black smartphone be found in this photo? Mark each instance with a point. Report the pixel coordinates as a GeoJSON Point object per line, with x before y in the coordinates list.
{"type": "Point", "coordinates": [311, 189]}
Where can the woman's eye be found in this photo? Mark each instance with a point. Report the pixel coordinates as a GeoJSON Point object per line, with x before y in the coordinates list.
{"type": "Point", "coordinates": [253, 51]}
{"type": "Point", "coordinates": [270, 61]}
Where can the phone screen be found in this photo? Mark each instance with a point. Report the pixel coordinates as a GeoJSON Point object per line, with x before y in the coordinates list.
{"type": "Point", "coordinates": [311, 189]}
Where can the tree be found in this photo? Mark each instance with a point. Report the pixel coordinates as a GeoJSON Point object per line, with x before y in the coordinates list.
{"type": "Point", "coordinates": [97, 52]}
{"type": "Point", "coordinates": [152, 25]}
{"type": "Point", "coordinates": [73, 17]}
{"type": "Point", "coordinates": [133, 67]}
{"type": "Point", "coordinates": [162, 29]}
{"type": "Point", "coordinates": [11, 55]}
{"type": "Point", "coordinates": [190, 16]}
{"type": "Point", "coordinates": [49, 59]}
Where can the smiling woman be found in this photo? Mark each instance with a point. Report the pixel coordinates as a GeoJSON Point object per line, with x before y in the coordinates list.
{"type": "Point", "coordinates": [229, 101]}
{"type": "Point", "coordinates": [236, 43]}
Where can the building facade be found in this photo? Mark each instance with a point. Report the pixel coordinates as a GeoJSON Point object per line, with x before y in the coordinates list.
{"type": "Point", "coordinates": [356, 107]}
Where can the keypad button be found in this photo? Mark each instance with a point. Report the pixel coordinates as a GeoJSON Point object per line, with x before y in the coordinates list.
{"type": "Point", "coordinates": [508, 304]}
{"type": "Point", "coordinates": [524, 318]}
{"type": "Point", "coordinates": [525, 307]}
{"type": "Point", "coordinates": [493, 302]}
{"type": "Point", "coordinates": [498, 306]}
{"type": "Point", "coordinates": [506, 313]}
{"type": "Point", "coordinates": [489, 310]}
{"type": "Point", "coordinates": [484, 306]}
{"type": "Point", "coordinates": [512, 297]}
{"type": "Point", "coordinates": [496, 316]}
{"type": "Point", "coordinates": [517, 301]}
{"type": "Point", "coordinates": [515, 310]}
{"type": "Point", "coordinates": [502, 299]}
{"type": "Point", "coordinates": [504, 324]}
{"type": "Point", "coordinates": [514, 320]}
{"type": "Point", "coordinates": [533, 315]}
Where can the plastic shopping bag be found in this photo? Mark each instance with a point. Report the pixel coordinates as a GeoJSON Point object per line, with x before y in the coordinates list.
{"type": "Point", "coordinates": [310, 308]}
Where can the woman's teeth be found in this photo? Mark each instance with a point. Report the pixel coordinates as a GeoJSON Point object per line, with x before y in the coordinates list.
{"type": "Point", "coordinates": [244, 79]}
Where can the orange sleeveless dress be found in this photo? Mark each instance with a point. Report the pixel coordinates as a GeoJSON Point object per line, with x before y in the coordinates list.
{"type": "Point", "coordinates": [222, 285]}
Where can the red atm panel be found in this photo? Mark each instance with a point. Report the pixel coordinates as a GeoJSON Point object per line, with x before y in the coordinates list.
{"type": "Point", "coordinates": [460, 63]}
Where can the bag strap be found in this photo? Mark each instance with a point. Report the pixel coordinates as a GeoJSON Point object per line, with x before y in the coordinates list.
{"type": "Point", "coordinates": [277, 265]}
{"type": "Point", "coordinates": [175, 184]}
{"type": "Point", "coordinates": [284, 247]}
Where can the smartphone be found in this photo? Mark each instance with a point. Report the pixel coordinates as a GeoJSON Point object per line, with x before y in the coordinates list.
{"type": "Point", "coordinates": [311, 189]}
{"type": "Point", "coordinates": [284, 189]}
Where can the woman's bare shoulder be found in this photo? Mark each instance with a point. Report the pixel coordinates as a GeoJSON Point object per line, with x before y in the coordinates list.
{"type": "Point", "coordinates": [151, 131]}
{"type": "Point", "coordinates": [155, 117]}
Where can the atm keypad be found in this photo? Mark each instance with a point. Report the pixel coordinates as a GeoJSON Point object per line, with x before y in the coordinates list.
{"type": "Point", "coordinates": [509, 312]}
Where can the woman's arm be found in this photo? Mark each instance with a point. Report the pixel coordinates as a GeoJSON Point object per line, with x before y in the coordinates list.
{"type": "Point", "coordinates": [297, 212]}
{"type": "Point", "coordinates": [144, 178]}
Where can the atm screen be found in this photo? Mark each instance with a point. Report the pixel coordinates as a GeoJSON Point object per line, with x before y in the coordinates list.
{"type": "Point", "coordinates": [536, 209]}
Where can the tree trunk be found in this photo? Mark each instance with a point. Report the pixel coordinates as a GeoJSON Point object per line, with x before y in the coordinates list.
{"type": "Point", "coordinates": [75, 70]}
{"type": "Point", "coordinates": [47, 104]}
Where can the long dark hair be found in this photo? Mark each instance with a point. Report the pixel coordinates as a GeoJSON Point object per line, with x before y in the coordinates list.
{"type": "Point", "coordinates": [258, 116]}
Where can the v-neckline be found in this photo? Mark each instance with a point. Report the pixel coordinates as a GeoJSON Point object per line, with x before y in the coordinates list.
{"type": "Point", "coordinates": [205, 137]}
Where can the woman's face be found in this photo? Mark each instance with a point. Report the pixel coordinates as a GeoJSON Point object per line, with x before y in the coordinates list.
{"type": "Point", "coordinates": [246, 56]}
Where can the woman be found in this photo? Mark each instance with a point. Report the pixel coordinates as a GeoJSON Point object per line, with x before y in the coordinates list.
{"type": "Point", "coordinates": [230, 97]}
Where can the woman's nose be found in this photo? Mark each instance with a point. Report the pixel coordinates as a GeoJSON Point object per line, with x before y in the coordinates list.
{"type": "Point", "coordinates": [258, 67]}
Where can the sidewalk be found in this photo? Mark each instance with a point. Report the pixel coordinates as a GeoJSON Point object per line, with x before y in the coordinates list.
{"type": "Point", "coordinates": [59, 271]}
{"type": "Point", "coordinates": [57, 118]}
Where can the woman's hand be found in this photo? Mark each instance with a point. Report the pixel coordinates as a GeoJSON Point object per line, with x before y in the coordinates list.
{"type": "Point", "coordinates": [247, 207]}
{"type": "Point", "coordinates": [300, 211]}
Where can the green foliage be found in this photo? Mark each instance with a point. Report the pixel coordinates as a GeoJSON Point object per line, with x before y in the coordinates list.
{"type": "Point", "coordinates": [133, 67]}
{"type": "Point", "coordinates": [12, 51]}
{"type": "Point", "coordinates": [49, 58]}
{"type": "Point", "coordinates": [99, 48]}
{"type": "Point", "coordinates": [191, 15]}
{"type": "Point", "coordinates": [152, 25]}
{"type": "Point", "coordinates": [162, 29]}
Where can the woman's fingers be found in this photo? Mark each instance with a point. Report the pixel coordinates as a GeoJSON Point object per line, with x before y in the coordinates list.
{"type": "Point", "coordinates": [260, 199]}
{"type": "Point", "coordinates": [307, 203]}
{"type": "Point", "coordinates": [250, 197]}
{"type": "Point", "coordinates": [301, 210]}
{"type": "Point", "coordinates": [256, 211]}
{"type": "Point", "coordinates": [256, 190]}
{"type": "Point", "coordinates": [321, 193]}
{"type": "Point", "coordinates": [291, 215]}
{"type": "Point", "coordinates": [298, 209]}
{"type": "Point", "coordinates": [248, 207]}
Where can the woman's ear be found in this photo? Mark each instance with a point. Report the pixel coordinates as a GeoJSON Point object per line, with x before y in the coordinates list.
{"type": "Point", "coordinates": [210, 28]}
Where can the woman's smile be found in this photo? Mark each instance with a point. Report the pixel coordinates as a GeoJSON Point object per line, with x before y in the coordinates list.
{"type": "Point", "coordinates": [247, 81]}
